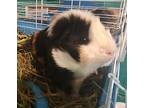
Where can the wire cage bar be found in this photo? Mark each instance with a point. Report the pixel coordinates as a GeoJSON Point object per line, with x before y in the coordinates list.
{"type": "Point", "coordinates": [36, 15]}
{"type": "Point", "coordinates": [41, 11]}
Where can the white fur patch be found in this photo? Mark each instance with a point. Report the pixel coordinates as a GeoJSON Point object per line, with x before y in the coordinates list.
{"type": "Point", "coordinates": [64, 60]}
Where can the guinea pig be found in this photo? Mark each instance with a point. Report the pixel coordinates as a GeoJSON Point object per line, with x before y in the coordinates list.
{"type": "Point", "coordinates": [73, 47]}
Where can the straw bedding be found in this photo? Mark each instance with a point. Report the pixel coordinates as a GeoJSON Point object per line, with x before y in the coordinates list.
{"type": "Point", "coordinates": [26, 71]}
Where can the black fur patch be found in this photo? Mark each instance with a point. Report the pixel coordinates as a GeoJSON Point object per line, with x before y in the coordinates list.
{"type": "Point", "coordinates": [40, 49]}
{"type": "Point", "coordinates": [70, 33]}
{"type": "Point", "coordinates": [56, 76]}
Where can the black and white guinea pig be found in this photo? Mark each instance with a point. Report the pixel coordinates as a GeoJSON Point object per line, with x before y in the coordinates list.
{"type": "Point", "coordinates": [73, 47]}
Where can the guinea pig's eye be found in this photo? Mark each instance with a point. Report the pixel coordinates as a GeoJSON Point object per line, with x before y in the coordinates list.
{"type": "Point", "coordinates": [84, 40]}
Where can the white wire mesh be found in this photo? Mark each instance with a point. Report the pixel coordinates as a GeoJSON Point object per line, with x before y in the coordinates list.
{"type": "Point", "coordinates": [41, 11]}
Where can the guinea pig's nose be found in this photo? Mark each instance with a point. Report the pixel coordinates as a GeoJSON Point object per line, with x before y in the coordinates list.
{"type": "Point", "coordinates": [107, 52]}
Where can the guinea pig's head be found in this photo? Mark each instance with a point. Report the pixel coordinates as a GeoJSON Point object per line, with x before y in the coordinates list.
{"type": "Point", "coordinates": [80, 41]}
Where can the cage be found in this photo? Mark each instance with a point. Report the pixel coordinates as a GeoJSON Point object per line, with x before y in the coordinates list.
{"type": "Point", "coordinates": [35, 15]}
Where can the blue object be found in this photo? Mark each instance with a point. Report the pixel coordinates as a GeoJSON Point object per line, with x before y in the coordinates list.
{"type": "Point", "coordinates": [28, 27]}
{"type": "Point", "coordinates": [40, 100]}
{"type": "Point", "coordinates": [85, 3]}
{"type": "Point", "coordinates": [92, 3]}
{"type": "Point", "coordinates": [102, 98]}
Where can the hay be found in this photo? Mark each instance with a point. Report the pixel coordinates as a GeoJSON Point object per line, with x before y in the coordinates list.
{"type": "Point", "coordinates": [24, 70]}
{"type": "Point", "coordinates": [56, 99]}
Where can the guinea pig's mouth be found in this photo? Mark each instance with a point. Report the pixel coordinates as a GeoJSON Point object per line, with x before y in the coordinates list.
{"type": "Point", "coordinates": [109, 60]}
